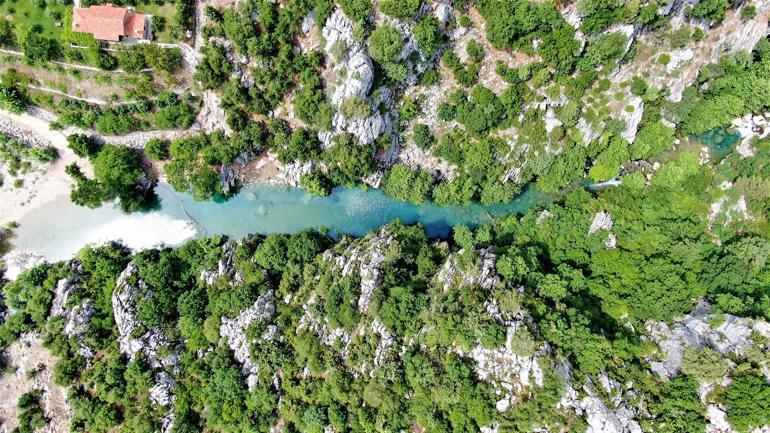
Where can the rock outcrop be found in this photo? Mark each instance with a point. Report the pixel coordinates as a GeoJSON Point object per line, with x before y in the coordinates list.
{"type": "Point", "coordinates": [509, 371]}
{"type": "Point", "coordinates": [125, 313]}
{"type": "Point", "coordinates": [365, 258]}
{"type": "Point", "coordinates": [235, 331]}
{"type": "Point", "coordinates": [725, 333]}
{"type": "Point", "coordinates": [353, 73]}
{"type": "Point", "coordinates": [451, 275]}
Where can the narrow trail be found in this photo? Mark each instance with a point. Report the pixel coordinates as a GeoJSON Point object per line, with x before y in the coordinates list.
{"type": "Point", "coordinates": [74, 65]}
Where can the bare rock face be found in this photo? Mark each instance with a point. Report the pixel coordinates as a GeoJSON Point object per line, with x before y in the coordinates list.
{"type": "Point", "coordinates": [76, 319]}
{"type": "Point", "coordinates": [162, 392]}
{"type": "Point", "coordinates": [355, 71]}
{"type": "Point", "coordinates": [451, 275]}
{"type": "Point", "coordinates": [695, 330]}
{"type": "Point", "coordinates": [293, 172]}
{"type": "Point", "coordinates": [125, 311]}
{"type": "Point", "coordinates": [510, 372]}
{"type": "Point", "coordinates": [224, 266]}
{"type": "Point", "coordinates": [366, 258]}
{"type": "Point", "coordinates": [386, 341]}
{"type": "Point", "coordinates": [603, 221]}
{"type": "Point", "coordinates": [601, 419]}
{"type": "Point", "coordinates": [235, 331]}
{"type": "Point", "coordinates": [353, 74]}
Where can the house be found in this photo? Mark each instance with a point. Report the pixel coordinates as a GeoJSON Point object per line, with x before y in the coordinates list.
{"type": "Point", "coordinates": [111, 23]}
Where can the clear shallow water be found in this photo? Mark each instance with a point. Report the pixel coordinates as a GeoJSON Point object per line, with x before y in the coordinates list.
{"type": "Point", "coordinates": [59, 229]}
{"type": "Point", "coordinates": [720, 141]}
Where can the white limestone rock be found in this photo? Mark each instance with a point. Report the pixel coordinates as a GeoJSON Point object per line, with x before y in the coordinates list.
{"type": "Point", "coordinates": [355, 72]}
{"type": "Point", "coordinates": [484, 276]}
{"type": "Point", "coordinates": [224, 265]}
{"type": "Point", "coordinates": [731, 336]}
{"type": "Point", "coordinates": [125, 310]}
{"type": "Point", "coordinates": [366, 258]}
{"type": "Point", "coordinates": [601, 221]}
{"type": "Point", "coordinates": [234, 329]}
{"type": "Point", "coordinates": [162, 393]}
{"type": "Point", "coordinates": [510, 372]}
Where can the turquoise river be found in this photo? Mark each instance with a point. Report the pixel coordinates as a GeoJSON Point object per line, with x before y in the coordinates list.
{"type": "Point", "coordinates": [59, 229]}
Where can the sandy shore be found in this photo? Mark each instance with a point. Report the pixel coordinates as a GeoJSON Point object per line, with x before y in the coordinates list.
{"type": "Point", "coordinates": [44, 183]}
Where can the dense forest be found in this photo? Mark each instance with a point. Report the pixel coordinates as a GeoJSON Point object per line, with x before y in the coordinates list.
{"type": "Point", "coordinates": [555, 311]}
{"type": "Point", "coordinates": [637, 300]}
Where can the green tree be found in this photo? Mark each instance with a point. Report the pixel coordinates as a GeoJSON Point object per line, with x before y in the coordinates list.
{"type": "Point", "coordinates": [385, 44]}
{"type": "Point", "coordinates": [748, 402]}
{"type": "Point", "coordinates": [403, 9]}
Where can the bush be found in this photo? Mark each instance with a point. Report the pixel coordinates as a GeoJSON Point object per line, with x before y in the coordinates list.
{"type": "Point", "coordinates": [157, 149]}
{"type": "Point", "coordinates": [316, 183]}
{"type": "Point", "coordinates": [356, 10]}
{"type": "Point", "coordinates": [355, 108]}
{"type": "Point", "coordinates": [422, 136]}
{"type": "Point", "coordinates": [428, 34]}
{"type": "Point", "coordinates": [403, 9]}
{"type": "Point", "coordinates": [83, 145]}
{"type": "Point", "coordinates": [475, 51]}
{"type": "Point", "coordinates": [385, 44]}
{"type": "Point", "coordinates": [713, 10]}
{"type": "Point", "coordinates": [403, 183]}
{"type": "Point", "coordinates": [749, 12]}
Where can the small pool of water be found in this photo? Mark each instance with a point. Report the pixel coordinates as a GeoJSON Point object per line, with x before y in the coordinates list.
{"type": "Point", "coordinates": [720, 141]}
{"type": "Point", "coordinates": [59, 229]}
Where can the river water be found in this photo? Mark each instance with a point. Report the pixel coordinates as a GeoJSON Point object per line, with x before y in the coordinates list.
{"type": "Point", "coordinates": [59, 229]}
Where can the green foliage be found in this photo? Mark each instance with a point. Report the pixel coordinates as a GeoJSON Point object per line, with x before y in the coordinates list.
{"type": "Point", "coordinates": [749, 12]}
{"type": "Point", "coordinates": [422, 136]}
{"type": "Point", "coordinates": [677, 407]}
{"type": "Point", "coordinates": [12, 97]}
{"type": "Point", "coordinates": [704, 365]}
{"type": "Point", "coordinates": [713, 10]}
{"type": "Point", "coordinates": [316, 183]}
{"type": "Point", "coordinates": [349, 160]}
{"type": "Point", "coordinates": [402, 9]}
{"type": "Point", "coordinates": [603, 51]}
{"type": "Point", "coordinates": [214, 68]}
{"type": "Point", "coordinates": [356, 10]}
{"type": "Point", "coordinates": [117, 172]}
{"type": "Point", "coordinates": [355, 108]}
{"type": "Point", "coordinates": [31, 416]}
{"type": "Point", "coordinates": [157, 149]}
{"type": "Point", "coordinates": [385, 44]}
{"type": "Point", "coordinates": [748, 402]}
{"type": "Point", "coordinates": [403, 183]}
{"type": "Point", "coordinates": [83, 145]}
{"type": "Point", "coordinates": [39, 49]}
{"type": "Point", "coordinates": [652, 139]}
{"type": "Point", "coordinates": [428, 34]}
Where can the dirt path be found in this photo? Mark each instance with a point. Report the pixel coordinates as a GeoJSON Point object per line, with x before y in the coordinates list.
{"type": "Point", "coordinates": [29, 355]}
{"type": "Point", "coordinates": [73, 65]}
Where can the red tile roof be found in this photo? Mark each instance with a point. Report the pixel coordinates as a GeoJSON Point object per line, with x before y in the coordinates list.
{"type": "Point", "coordinates": [108, 22]}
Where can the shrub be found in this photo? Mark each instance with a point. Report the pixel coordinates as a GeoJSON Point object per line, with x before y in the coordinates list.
{"type": "Point", "coordinates": [403, 9]}
{"type": "Point", "coordinates": [157, 149]}
{"type": "Point", "coordinates": [83, 145]}
{"type": "Point", "coordinates": [355, 108]}
{"type": "Point", "coordinates": [385, 44]}
{"type": "Point", "coordinates": [422, 136]}
{"type": "Point", "coordinates": [475, 51]}
{"type": "Point", "coordinates": [403, 183]}
{"type": "Point", "coordinates": [356, 10]}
